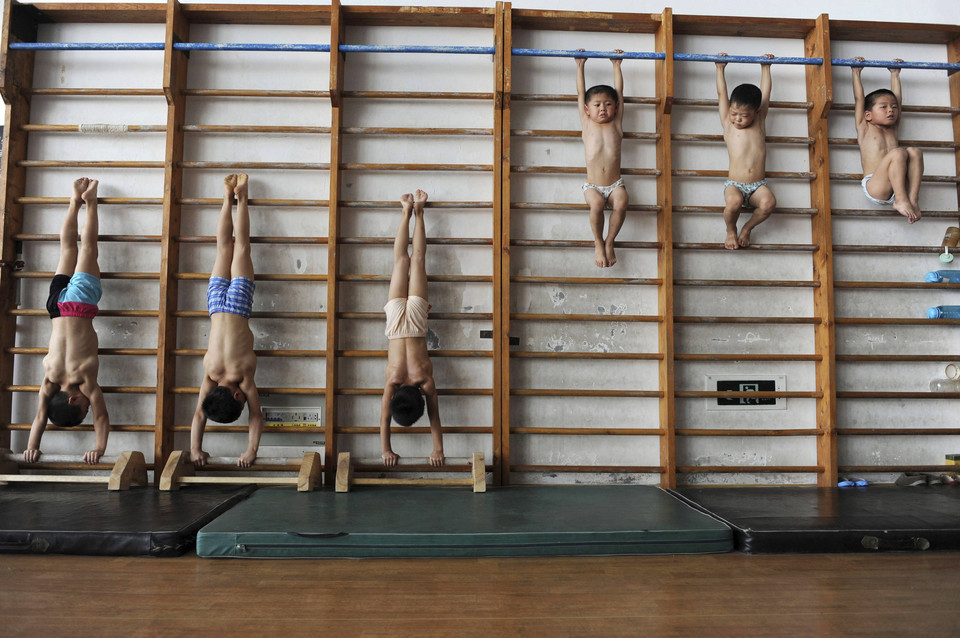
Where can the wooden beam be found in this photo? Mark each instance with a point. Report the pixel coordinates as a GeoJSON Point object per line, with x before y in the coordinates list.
{"type": "Point", "coordinates": [665, 255]}
{"type": "Point", "coordinates": [174, 81]}
{"type": "Point", "coordinates": [337, 69]}
{"type": "Point", "coordinates": [953, 55]}
{"type": "Point", "coordinates": [819, 81]}
{"type": "Point", "coordinates": [16, 68]}
{"type": "Point", "coordinates": [503, 38]}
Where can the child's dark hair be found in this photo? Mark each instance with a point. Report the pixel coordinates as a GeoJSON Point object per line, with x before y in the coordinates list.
{"type": "Point", "coordinates": [220, 405]}
{"type": "Point", "coordinates": [601, 89]}
{"type": "Point", "coordinates": [406, 406]}
{"type": "Point", "coordinates": [61, 413]}
{"type": "Point", "coordinates": [873, 96]}
{"type": "Point", "coordinates": [748, 95]}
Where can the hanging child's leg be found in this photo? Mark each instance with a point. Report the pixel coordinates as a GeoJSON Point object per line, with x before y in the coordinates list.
{"type": "Point", "coordinates": [891, 177]}
{"type": "Point", "coordinates": [764, 202]}
{"type": "Point", "coordinates": [221, 266]}
{"type": "Point", "coordinates": [914, 177]}
{"type": "Point", "coordinates": [242, 262]}
{"type": "Point", "coordinates": [400, 277]}
{"type": "Point", "coordinates": [418, 262]}
{"type": "Point", "coordinates": [733, 201]}
{"type": "Point", "coordinates": [87, 261]}
{"type": "Point", "coordinates": [596, 203]}
{"type": "Point", "coordinates": [618, 203]}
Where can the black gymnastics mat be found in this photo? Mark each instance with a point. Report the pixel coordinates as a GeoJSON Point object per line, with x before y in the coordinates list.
{"type": "Point", "coordinates": [511, 521]}
{"type": "Point", "coordinates": [60, 518]}
{"type": "Point", "coordinates": [775, 520]}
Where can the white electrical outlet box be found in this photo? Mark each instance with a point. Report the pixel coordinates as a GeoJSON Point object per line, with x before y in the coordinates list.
{"type": "Point", "coordinates": [302, 417]}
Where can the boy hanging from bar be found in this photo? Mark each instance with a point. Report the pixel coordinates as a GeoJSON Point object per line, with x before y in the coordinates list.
{"type": "Point", "coordinates": [601, 123]}
{"type": "Point", "coordinates": [230, 363]}
{"type": "Point", "coordinates": [892, 173]}
{"type": "Point", "coordinates": [743, 117]}
{"type": "Point", "coordinates": [70, 368]}
{"type": "Point", "coordinates": [409, 374]}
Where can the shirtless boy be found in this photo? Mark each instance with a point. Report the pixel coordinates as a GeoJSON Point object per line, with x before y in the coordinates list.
{"type": "Point", "coordinates": [601, 120]}
{"type": "Point", "coordinates": [892, 173]}
{"type": "Point", "coordinates": [70, 368]}
{"type": "Point", "coordinates": [409, 371]}
{"type": "Point", "coordinates": [744, 119]}
{"type": "Point", "coordinates": [230, 363]}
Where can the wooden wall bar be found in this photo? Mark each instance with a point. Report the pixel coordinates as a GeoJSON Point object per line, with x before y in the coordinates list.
{"type": "Point", "coordinates": [21, 23]}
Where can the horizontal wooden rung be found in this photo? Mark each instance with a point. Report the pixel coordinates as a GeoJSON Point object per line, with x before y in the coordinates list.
{"type": "Point", "coordinates": [760, 320]}
{"type": "Point", "coordinates": [195, 276]}
{"type": "Point", "coordinates": [730, 394]}
{"type": "Point", "coordinates": [723, 174]}
{"type": "Point", "coordinates": [440, 316]}
{"type": "Point", "coordinates": [720, 246]}
{"type": "Point", "coordinates": [749, 469]}
{"type": "Point", "coordinates": [417, 481]}
{"type": "Point", "coordinates": [745, 357]}
{"type": "Point", "coordinates": [393, 204]}
{"type": "Point", "coordinates": [552, 354]}
{"type": "Point", "coordinates": [887, 212]}
{"type": "Point", "coordinates": [569, 392]}
{"type": "Point", "coordinates": [427, 168]}
{"type": "Point", "coordinates": [681, 101]}
{"type": "Point", "coordinates": [431, 241]}
{"type": "Point", "coordinates": [873, 248]}
{"type": "Point", "coordinates": [431, 278]}
{"type": "Point", "coordinates": [198, 314]}
{"type": "Point", "coordinates": [905, 358]}
{"type": "Point", "coordinates": [417, 95]}
{"type": "Point", "coordinates": [719, 209]}
{"type": "Point", "coordinates": [237, 480]}
{"type": "Point", "coordinates": [237, 128]}
{"type": "Point", "coordinates": [589, 469]}
{"type": "Point", "coordinates": [852, 141]}
{"type": "Point", "coordinates": [34, 274]}
{"type": "Point", "coordinates": [573, 431]}
{"type": "Point", "coordinates": [578, 170]}
{"type": "Point", "coordinates": [102, 201]}
{"type": "Point", "coordinates": [554, 206]}
{"type": "Point", "coordinates": [257, 166]}
{"type": "Point", "coordinates": [894, 321]}
{"type": "Point", "coordinates": [132, 239]}
{"type": "Point", "coordinates": [605, 281]}
{"type": "Point", "coordinates": [384, 130]}
{"type": "Point", "coordinates": [856, 177]}
{"type": "Point", "coordinates": [88, 129]}
{"type": "Point", "coordinates": [262, 390]}
{"type": "Point", "coordinates": [930, 431]}
{"type": "Point", "coordinates": [209, 239]}
{"type": "Point", "coordinates": [567, 97]}
{"type": "Point", "coordinates": [936, 396]}
{"type": "Point", "coordinates": [771, 139]}
{"type": "Point", "coordinates": [86, 164]}
{"type": "Point", "coordinates": [573, 243]}
{"type": "Point", "coordinates": [530, 316]}
{"type": "Point", "coordinates": [94, 91]}
{"type": "Point", "coordinates": [627, 135]}
{"type": "Point", "coordinates": [752, 283]}
{"type": "Point", "coordinates": [280, 203]}
{"type": "Point", "coordinates": [271, 93]}
{"type": "Point", "coordinates": [743, 432]}
{"type": "Point", "coordinates": [109, 389]}
{"type": "Point", "coordinates": [42, 312]}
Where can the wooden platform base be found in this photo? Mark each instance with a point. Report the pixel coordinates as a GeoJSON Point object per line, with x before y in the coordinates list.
{"type": "Point", "coordinates": [346, 478]}
{"type": "Point", "coordinates": [129, 468]}
{"type": "Point", "coordinates": [180, 471]}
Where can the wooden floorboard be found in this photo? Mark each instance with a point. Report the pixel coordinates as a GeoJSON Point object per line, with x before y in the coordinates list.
{"type": "Point", "coordinates": [885, 594]}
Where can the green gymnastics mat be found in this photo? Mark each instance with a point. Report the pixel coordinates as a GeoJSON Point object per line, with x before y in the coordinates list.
{"type": "Point", "coordinates": [511, 521]}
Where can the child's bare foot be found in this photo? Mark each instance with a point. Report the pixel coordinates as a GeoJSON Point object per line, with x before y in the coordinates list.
{"type": "Point", "coordinates": [89, 193]}
{"type": "Point", "coordinates": [79, 186]}
{"type": "Point", "coordinates": [731, 241]}
{"type": "Point", "coordinates": [916, 209]}
{"type": "Point", "coordinates": [744, 239]}
{"type": "Point", "coordinates": [229, 184]}
{"type": "Point", "coordinates": [905, 209]}
{"type": "Point", "coordinates": [611, 255]}
{"type": "Point", "coordinates": [406, 201]}
{"type": "Point", "coordinates": [600, 255]}
{"type": "Point", "coordinates": [241, 189]}
{"type": "Point", "coordinates": [419, 199]}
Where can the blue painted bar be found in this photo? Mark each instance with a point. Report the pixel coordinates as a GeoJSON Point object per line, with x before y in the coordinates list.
{"type": "Point", "coordinates": [249, 46]}
{"type": "Point", "coordinates": [749, 59]}
{"type": "Point", "coordinates": [413, 48]}
{"type": "Point", "coordinates": [87, 46]}
{"type": "Point", "coordinates": [570, 53]}
{"type": "Point", "coordinates": [890, 64]}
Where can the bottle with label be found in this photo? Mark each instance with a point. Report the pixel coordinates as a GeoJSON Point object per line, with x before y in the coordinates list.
{"type": "Point", "coordinates": [944, 312]}
{"type": "Point", "coordinates": [944, 276]}
{"type": "Point", "coordinates": [945, 385]}
{"type": "Point", "coordinates": [951, 237]}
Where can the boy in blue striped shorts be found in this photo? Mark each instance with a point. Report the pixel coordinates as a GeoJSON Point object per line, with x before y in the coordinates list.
{"type": "Point", "coordinates": [230, 364]}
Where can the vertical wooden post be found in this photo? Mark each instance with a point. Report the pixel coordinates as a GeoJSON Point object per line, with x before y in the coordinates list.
{"type": "Point", "coordinates": [953, 55]}
{"type": "Point", "coordinates": [174, 81]}
{"type": "Point", "coordinates": [16, 67]}
{"type": "Point", "coordinates": [664, 73]}
{"type": "Point", "coordinates": [820, 94]}
{"type": "Point", "coordinates": [337, 34]}
{"type": "Point", "coordinates": [501, 245]}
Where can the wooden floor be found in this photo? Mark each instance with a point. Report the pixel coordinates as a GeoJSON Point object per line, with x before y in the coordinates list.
{"type": "Point", "coordinates": [885, 594]}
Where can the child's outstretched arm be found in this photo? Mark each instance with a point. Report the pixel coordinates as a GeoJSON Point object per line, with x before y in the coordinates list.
{"type": "Point", "coordinates": [766, 85]}
{"type": "Point", "coordinates": [895, 82]}
{"type": "Point", "coordinates": [433, 412]}
{"type": "Point", "coordinates": [386, 450]}
{"type": "Point", "coordinates": [581, 88]}
{"type": "Point", "coordinates": [618, 83]}
{"type": "Point", "coordinates": [722, 98]}
{"type": "Point", "coordinates": [858, 101]}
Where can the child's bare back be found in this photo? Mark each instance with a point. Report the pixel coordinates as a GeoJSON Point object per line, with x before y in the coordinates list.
{"type": "Point", "coordinates": [601, 121]}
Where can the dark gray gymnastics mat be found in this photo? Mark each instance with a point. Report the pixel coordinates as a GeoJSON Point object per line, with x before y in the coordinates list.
{"type": "Point", "coordinates": [61, 518]}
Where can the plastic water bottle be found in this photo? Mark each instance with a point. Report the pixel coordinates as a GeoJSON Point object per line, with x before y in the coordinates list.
{"type": "Point", "coordinates": [949, 276]}
{"type": "Point", "coordinates": [944, 312]}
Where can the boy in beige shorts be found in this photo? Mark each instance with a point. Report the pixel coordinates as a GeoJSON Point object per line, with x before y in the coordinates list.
{"type": "Point", "coordinates": [409, 375]}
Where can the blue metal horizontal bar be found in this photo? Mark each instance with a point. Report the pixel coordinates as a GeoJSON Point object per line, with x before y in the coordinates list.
{"type": "Point", "coordinates": [890, 64]}
{"type": "Point", "coordinates": [413, 48]}
{"type": "Point", "coordinates": [248, 46]}
{"type": "Point", "coordinates": [569, 53]}
{"type": "Point", "coordinates": [87, 46]}
{"type": "Point", "coordinates": [749, 59]}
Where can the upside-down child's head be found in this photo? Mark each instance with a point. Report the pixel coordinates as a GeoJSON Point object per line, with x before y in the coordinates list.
{"type": "Point", "coordinates": [602, 102]}
{"type": "Point", "coordinates": [744, 105]}
{"type": "Point", "coordinates": [881, 107]}
{"type": "Point", "coordinates": [67, 411]}
{"type": "Point", "coordinates": [406, 405]}
{"type": "Point", "coordinates": [221, 405]}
